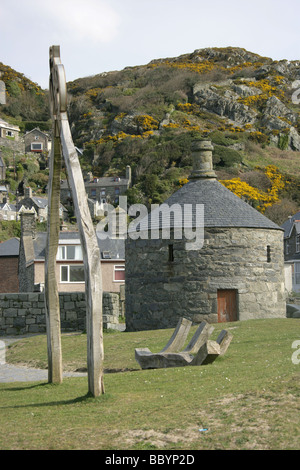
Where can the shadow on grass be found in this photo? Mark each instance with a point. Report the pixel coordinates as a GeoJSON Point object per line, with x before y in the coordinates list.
{"type": "Point", "coordinates": [27, 387]}
{"type": "Point", "coordinates": [87, 398]}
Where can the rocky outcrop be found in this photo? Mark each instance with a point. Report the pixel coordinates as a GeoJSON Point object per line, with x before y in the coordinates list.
{"type": "Point", "coordinates": [264, 113]}
{"type": "Point", "coordinates": [274, 107]}
{"type": "Point", "coordinates": [225, 106]}
{"type": "Point", "coordinates": [127, 124]}
{"type": "Point", "coordinates": [244, 90]}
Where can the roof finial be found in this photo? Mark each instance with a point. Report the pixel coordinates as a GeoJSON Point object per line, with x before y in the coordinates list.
{"type": "Point", "coordinates": [202, 160]}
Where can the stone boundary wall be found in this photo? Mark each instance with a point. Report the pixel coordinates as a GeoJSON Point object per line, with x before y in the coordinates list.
{"type": "Point", "coordinates": [15, 145]}
{"type": "Point", "coordinates": [22, 313]}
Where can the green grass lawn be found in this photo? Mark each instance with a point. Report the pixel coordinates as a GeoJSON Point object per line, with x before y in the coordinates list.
{"type": "Point", "coordinates": [248, 399]}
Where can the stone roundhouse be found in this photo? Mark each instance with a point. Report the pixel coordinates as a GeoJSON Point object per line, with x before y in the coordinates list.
{"type": "Point", "coordinates": [236, 274]}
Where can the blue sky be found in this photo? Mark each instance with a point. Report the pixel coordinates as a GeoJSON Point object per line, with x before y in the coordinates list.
{"type": "Point", "coordinates": [103, 35]}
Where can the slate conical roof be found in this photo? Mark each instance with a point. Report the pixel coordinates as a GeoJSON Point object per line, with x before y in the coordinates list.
{"type": "Point", "coordinates": [222, 208]}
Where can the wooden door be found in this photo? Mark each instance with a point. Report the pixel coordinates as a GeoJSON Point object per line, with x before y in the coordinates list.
{"type": "Point", "coordinates": [227, 305]}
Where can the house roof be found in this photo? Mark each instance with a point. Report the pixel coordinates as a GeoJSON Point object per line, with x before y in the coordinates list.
{"type": "Point", "coordinates": [36, 130]}
{"type": "Point", "coordinates": [115, 247]}
{"type": "Point", "coordinates": [9, 206]}
{"type": "Point", "coordinates": [105, 182]}
{"type": "Point", "coordinates": [112, 248]}
{"type": "Point", "coordinates": [222, 208]}
{"type": "Point", "coordinates": [10, 248]}
{"type": "Point", "coordinates": [109, 248]}
{"type": "Point", "coordinates": [40, 202]}
{"type": "Point", "coordinates": [288, 225]}
{"type": "Point", "coordinates": [6, 125]}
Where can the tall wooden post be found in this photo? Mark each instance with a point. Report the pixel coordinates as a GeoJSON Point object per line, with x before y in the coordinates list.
{"type": "Point", "coordinates": [51, 291]}
{"type": "Point", "coordinates": [90, 249]}
{"type": "Point", "coordinates": [92, 262]}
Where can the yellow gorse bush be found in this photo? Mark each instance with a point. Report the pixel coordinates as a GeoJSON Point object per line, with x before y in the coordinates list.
{"type": "Point", "coordinates": [93, 92]}
{"type": "Point", "coordinates": [267, 90]}
{"type": "Point", "coordinates": [259, 199]}
{"type": "Point", "coordinates": [199, 67]}
{"type": "Point", "coordinates": [146, 122]}
{"type": "Point", "coordinates": [205, 65]}
{"type": "Point", "coordinates": [183, 181]}
{"type": "Point", "coordinates": [185, 107]}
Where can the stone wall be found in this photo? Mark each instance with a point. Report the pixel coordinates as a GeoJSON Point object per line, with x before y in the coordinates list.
{"type": "Point", "coordinates": [22, 313]}
{"type": "Point", "coordinates": [15, 145]}
{"type": "Point", "coordinates": [159, 291]}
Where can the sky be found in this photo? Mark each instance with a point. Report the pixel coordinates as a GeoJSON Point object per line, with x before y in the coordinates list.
{"type": "Point", "coordinates": [98, 36]}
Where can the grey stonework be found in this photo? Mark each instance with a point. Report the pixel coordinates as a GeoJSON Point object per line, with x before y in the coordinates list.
{"type": "Point", "coordinates": [17, 146]}
{"type": "Point", "coordinates": [159, 291]}
{"type": "Point", "coordinates": [22, 313]}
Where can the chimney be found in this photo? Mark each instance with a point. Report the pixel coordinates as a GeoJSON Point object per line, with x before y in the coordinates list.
{"type": "Point", "coordinates": [202, 160]}
{"type": "Point", "coordinates": [28, 224]}
{"type": "Point", "coordinates": [28, 192]}
{"type": "Point", "coordinates": [117, 223]}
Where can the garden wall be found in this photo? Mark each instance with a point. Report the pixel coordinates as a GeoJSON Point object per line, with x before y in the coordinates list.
{"type": "Point", "coordinates": [22, 313]}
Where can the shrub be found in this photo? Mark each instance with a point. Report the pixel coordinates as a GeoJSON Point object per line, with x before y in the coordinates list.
{"type": "Point", "coordinates": [224, 156]}
{"type": "Point", "coordinates": [220, 138]}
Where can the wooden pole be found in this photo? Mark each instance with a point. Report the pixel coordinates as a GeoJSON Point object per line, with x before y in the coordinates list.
{"type": "Point", "coordinates": [51, 290]}
{"type": "Point", "coordinates": [92, 262]}
{"type": "Point", "coordinates": [63, 142]}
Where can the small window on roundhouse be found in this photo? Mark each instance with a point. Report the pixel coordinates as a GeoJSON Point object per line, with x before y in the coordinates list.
{"type": "Point", "coordinates": [268, 254]}
{"type": "Point", "coordinates": [171, 253]}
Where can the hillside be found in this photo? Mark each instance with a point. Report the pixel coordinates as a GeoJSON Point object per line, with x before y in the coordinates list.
{"type": "Point", "coordinates": [146, 116]}
{"type": "Point", "coordinates": [26, 103]}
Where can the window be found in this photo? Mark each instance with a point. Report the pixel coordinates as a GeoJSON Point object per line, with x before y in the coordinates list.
{"type": "Point", "coordinates": [69, 252]}
{"type": "Point", "coordinates": [37, 147]}
{"type": "Point", "coordinates": [287, 247]}
{"type": "Point", "coordinates": [72, 273]}
{"type": "Point", "coordinates": [268, 254]}
{"type": "Point", "coordinates": [171, 253]}
{"type": "Point", "coordinates": [297, 273]}
{"type": "Point", "coordinates": [297, 243]}
{"type": "Point", "coordinates": [119, 273]}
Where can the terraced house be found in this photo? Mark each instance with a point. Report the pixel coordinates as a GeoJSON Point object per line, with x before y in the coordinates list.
{"type": "Point", "coordinates": [291, 229]}
{"type": "Point", "coordinates": [69, 261]}
{"type": "Point", "coordinates": [103, 190]}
